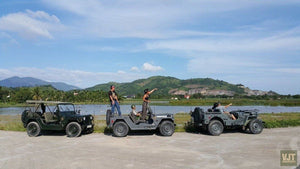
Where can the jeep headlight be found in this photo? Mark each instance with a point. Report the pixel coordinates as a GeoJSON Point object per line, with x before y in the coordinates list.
{"type": "Point", "coordinates": [91, 117]}
{"type": "Point", "coordinates": [83, 118]}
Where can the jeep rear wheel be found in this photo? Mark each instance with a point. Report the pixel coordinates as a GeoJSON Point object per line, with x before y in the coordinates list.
{"type": "Point", "coordinates": [33, 129]}
{"type": "Point", "coordinates": [255, 126]}
{"type": "Point", "coordinates": [73, 129]}
{"type": "Point", "coordinates": [120, 129]}
{"type": "Point", "coordinates": [166, 128]}
{"type": "Point", "coordinates": [215, 127]}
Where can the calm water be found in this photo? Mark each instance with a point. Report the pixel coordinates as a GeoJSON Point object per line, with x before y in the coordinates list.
{"type": "Point", "coordinates": [125, 109]}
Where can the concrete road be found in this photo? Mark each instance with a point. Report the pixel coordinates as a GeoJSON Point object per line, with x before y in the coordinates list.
{"type": "Point", "coordinates": [182, 150]}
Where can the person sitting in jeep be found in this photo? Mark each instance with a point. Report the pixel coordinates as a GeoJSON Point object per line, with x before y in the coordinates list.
{"type": "Point", "coordinates": [135, 113]}
{"type": "Point", "coordinates": [217, 107]}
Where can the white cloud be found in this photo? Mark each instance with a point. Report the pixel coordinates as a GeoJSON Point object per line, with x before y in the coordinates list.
{"type": "Point", "coordinates": [150, 67]}
{"type": "Point", "coordinates": [31, 24]}
{"type": "Point", "coordinates": [135, 69]}
{"type": "Point", "coordinates": [241, 42]}
{"type": "Point", "coordinates": [144, 18]}
{"type": "Point", "coordinates": [78, 78]}
{"type": "Point", "coordinates": [121, 72]}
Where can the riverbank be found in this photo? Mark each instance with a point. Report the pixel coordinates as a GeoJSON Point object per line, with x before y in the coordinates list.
{"type": "Point", "coordinates": [272, 120]}
{"type": "Point", "coordinates": [190, 102]}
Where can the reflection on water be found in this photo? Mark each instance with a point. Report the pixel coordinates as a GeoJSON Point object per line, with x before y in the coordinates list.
{"type": "Point", "coordinates": [100, 109]}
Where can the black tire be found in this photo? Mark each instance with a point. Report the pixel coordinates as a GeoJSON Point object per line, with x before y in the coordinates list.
{"type": "Point", "coordinates": [73, 129]}
{"type": "Point", "coordinates": [33, 129]}
{"type": "Point", "coordinates": [215, 127]}
{"type": "Point", "coordinates": [255, 126]}
{"type": "Point", "coordinates": [166, 128]}
{"type": "Point", "coordinates": [120, 129]}
{"type": "Point", "coordinates": [108, 114]}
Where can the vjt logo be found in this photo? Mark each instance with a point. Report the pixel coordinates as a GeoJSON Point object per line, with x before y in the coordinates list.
{"type": "Point", "coordinates": [288, 158]}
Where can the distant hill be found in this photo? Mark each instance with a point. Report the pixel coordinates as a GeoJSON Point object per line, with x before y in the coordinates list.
{"type": "Point", "coordinates": [174, 86]}
{"type": "Point", "coordinates": [32, 82]}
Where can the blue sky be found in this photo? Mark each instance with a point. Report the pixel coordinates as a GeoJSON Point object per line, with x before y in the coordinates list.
{"type": "Point", "coordinates": [84, 43]}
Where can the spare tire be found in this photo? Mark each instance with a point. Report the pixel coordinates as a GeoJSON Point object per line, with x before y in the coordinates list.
{"type": "Point", "coordinates": [108, 114]}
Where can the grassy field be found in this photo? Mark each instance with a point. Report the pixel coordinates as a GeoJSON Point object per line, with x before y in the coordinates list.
{"type": "Point", "coordinates": [273, 120]}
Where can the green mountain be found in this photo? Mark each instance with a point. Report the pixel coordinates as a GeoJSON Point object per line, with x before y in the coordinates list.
{"type": "Point", "coordinates": [174, 86]}
{"type": "Point", "coordinates": [33, 82]}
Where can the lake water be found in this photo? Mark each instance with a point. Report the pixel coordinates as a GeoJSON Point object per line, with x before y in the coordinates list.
{"type": "Point", "coordinates": [100, 109]}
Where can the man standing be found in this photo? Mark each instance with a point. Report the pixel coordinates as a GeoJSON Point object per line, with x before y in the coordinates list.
{"type": "Point", "coordinates": [114, 102]}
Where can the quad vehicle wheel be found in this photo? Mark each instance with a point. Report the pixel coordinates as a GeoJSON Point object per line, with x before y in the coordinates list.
{"type": "Point", "coordinates": [255, 126]}
{"type": "Point", "coordinates": [108, 114]}
{"type": "Point", "coordinates": [166, 128]}
{"type": "Point", "coordinates": [120, 129]}
{"type": "Point", "coordinates": [215, 127]}
{"type": "Point", "coordinates": [33, 129]}
{"type": "Point", "coordinates": [73, 129]}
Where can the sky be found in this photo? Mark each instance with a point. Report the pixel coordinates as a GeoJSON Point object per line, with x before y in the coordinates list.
{"type": "Point", "coordinates": [85, 43]}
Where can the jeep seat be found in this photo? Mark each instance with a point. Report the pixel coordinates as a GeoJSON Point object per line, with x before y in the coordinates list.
{"type": "Point", "coordinates": [50, 117]}
{"type": "Point", "coordinates": [134, 119]}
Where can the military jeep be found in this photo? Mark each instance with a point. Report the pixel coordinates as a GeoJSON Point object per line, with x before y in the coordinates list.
{"type": "Point", "coordinates": [215, 121]}
{"type": "Point", "coordinates": [122, 124]}
{"type": "Point", "coordinates": [52, 115]}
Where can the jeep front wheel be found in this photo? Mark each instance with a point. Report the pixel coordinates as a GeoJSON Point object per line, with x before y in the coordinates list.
{"type": "Point", "coordinates": [120, 129]}
{"type": "Point", "coordinates": [166, 128]}
{"type": "Point", "coordinates": [255, 126]}
{"type": "Point", "coordinates": [73, 129]}
{"type": "Point", "coordinates": [215, 127]}
{"type": "Point", "coordinates": [33, 129]}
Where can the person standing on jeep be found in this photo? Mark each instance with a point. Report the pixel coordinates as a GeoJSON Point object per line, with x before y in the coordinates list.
{"type": "Point", "coordinates": [114, 102]}
{"type": "Point", "coordinates": [146, 101]}
{"type": "Point", "coordinates": [217, 106]}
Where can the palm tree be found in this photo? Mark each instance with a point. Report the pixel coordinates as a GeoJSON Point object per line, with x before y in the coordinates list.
{"type": "Point", "coordinates": [37, 94]}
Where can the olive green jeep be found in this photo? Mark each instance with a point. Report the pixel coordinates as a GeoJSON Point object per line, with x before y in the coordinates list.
{"type": "Point", "coordinates": [215, 121]}
{"type": "Point", "coordinates": [52, 115]}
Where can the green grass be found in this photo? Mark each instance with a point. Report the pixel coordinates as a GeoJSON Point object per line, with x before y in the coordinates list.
{"type": "Point", "coordinates": [11, 123]}
{"type": "Point", "coordinates": [272, 120]}
{"type": "Point", "coordinates": [12, 104]}
{"type": "Point", "coordinates": [276, 120]}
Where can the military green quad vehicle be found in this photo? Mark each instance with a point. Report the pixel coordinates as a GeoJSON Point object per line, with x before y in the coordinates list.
{"type": "Point", "coordinates": [215, 121]}
{"type": "Point", "coordinates": [51, 115]}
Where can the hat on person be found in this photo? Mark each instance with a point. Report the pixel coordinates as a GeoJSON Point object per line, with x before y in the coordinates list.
{"type": "Point", "coordinates": [132, 106]}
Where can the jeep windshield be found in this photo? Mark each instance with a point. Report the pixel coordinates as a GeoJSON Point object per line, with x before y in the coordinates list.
{"type": "Point", "coordinates": [66, 107]}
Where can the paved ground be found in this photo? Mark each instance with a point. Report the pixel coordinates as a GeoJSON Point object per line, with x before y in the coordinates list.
{"type": "Point", "coordinates": [182, 150]}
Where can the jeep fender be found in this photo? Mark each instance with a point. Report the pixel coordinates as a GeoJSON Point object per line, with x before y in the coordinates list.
{"type": "Point", "coordinates": [217, 118]}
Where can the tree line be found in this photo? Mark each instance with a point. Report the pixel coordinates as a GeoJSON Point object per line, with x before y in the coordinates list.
{"type": "Point", "coordinates": [20, 95]}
